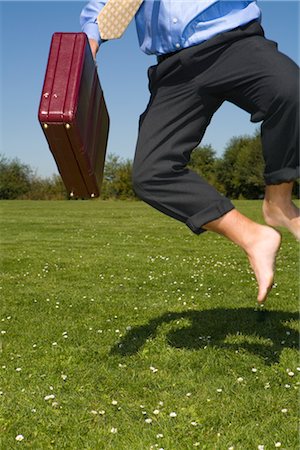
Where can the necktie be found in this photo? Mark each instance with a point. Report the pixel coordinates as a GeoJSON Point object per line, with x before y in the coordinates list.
{"type": "Point", "coordinates": [115, 17]}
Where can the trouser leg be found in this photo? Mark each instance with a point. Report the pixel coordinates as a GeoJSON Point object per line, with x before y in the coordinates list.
{"type": "Point", "coordinates": [170, 128]}
{"type": "Point", "coordinates": [266, 84]}
{"type": "Point", "coordinates": [240, 66]}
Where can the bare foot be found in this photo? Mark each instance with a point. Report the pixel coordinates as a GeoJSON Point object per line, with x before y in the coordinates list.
{"type": "Point", "coordinates": [260, 242]}
{"type": "Point", "coordinates": [262, 253]}
{"type": "Point", "coordinates": [282, 215]}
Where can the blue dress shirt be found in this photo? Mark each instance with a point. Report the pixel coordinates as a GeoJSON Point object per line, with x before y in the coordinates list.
{"type": "Point", "coordinates": [165, 26]}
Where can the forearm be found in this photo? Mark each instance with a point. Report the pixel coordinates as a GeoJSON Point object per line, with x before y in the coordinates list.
{"type": "Point", "coordinates": [94, 47]}
{"type": "Point", "coordinates": [89, 24]}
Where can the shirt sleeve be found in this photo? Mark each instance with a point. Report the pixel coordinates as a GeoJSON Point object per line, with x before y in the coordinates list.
{"type": "Point", "coordinates": [88, 20]}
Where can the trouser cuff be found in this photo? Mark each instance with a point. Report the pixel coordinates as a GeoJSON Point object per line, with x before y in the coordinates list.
{"type": "Point", "coordinates": [214, 211]}
{"type": "Point", "coordinates": [282, 176]}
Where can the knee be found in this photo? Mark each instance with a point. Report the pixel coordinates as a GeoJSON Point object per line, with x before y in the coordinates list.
{"type": "Point", "coordinates": [287, 93]}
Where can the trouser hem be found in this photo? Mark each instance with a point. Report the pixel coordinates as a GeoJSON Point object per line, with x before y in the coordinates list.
{"type": "Point", "coordinates": [214, 211]}
{"type": "Point", "coordinates": [282, 176]}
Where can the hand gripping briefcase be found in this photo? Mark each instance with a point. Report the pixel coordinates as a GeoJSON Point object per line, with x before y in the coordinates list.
{"type": "Point", "coordinates": [73, 114]}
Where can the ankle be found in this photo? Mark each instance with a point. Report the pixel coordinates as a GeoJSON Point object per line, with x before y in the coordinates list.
{"type": "Point", "coordinates": [279, 208]}
{"type": "Point", "coordinates": [277, 202]}
{"type": "Point", "coordinates": [254, 237]}
{"type": "Point", "coordinates": [279, 194]}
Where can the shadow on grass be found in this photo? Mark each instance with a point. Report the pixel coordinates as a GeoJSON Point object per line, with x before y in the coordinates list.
{"type": "Point", "coordinates": [263, 333]}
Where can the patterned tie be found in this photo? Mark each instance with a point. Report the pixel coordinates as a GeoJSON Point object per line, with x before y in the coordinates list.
{"type": "Point", "coordinates": [115, 17]}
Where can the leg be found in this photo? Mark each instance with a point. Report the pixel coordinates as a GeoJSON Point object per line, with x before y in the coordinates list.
{"type": "Point", "coordinates": [261, 244]}
{"type": "Point", "coordinates": [170, 128]}
{"type": "Point", "coordinates": [272, 96]}
{"type": "Point", "coordinates": [279, 210]}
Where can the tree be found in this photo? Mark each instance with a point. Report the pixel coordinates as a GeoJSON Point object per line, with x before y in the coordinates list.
{"type": "Point", "coordinates": [240, 170]}
{"type": "Point", "coordinates": [248, 177]}
{"type": "Point", "coordinates": [117, 179]}
{"type": "Point", "coordinates": [203, 162]}
{"type": "Point", "coordinates": [226, 166]}
{"type": "Point", "coordinates": [15, 178]}
{"type": "Point", "coordinates": [51, 188]}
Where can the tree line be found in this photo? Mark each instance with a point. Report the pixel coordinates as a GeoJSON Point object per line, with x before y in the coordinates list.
{"type": "Point", "coordinates": [238, 174]}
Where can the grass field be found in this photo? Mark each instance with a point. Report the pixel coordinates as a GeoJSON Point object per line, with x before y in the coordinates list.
{"type": "Point", "coordinates": [122, 330]}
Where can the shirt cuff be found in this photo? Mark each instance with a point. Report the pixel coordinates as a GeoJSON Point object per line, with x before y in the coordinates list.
{"type": "Point", "coordinates": [92, 32]}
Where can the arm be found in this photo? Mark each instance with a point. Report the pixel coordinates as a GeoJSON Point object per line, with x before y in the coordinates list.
{"type": "Point", "coordinates": [94, 47]}
{"type": "Point", "coordinates": [89, 25]}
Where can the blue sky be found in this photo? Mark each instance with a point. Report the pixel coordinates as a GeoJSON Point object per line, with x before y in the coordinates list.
{"type": "Point", "coordinates": [25, 34]}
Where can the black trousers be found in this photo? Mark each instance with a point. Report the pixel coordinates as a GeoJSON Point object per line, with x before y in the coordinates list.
{"type": "Point", "coordinates": [240, 66]}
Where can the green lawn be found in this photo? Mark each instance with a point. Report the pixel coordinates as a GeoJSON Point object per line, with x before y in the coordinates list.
{"type": "Point", "coordinates": [122, 330]}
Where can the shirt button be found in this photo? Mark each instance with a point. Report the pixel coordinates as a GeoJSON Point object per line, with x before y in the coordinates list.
{"type": "Point", "coordinates": [177, 45]}
{"type": "Point", "coordinates": [175, 20]}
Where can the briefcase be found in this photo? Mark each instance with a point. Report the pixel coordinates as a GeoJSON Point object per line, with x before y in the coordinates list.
{"type": "Point", "coordinates": [73, 114]}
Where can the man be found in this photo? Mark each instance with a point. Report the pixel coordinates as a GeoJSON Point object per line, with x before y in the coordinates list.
{"type": "Point", "coordinates": [209, 52]}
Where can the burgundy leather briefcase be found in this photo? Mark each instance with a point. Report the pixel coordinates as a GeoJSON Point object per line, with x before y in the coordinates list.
{"type": "Point", "coordinates": [73, 114]}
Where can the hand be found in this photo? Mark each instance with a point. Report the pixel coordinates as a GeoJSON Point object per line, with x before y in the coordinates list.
{"type": "Point", "coordinates": [94, 47]}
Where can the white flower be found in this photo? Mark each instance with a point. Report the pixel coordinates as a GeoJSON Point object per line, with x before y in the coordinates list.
{"type": "Point", "coordinates": [114, 402]}
{"type": "Point", "coordinates": [102, 412]}
{"type": "Point", "coordinates": [298, 368]}
{"type": "Point", "coordinates": [287, 386]}
{"type": "Point", "coordinates": [114, 430]}
{"type": "Point", "coordinates": [219, 390]}
{"type": "Point", "coordinates": [254, 369]}
{"type": "Point", "coordinates": [231, 448]}
{"type": "Point", "coordinates": [148, 420]}
{"type": "Point", "coordinates": [19, 437]}
{"type": "Point", "coordinates": [18, 369]}
{"type": "Point", "coordinates": [240, 379]}
{"type": "Point", "coordinates": [284, 410]}
{"type": "Point", "coordinates": [195, 424]}
{"type": "Point", "coordinates": [188, 394]}
{"type": "Point", "coordinates": [49, 397]}
{"type": "Point", "coordinates": [261, 447]}
{"type": "Point", "coordinates": [291, 374]}
{"type": "Point", "coordinates": [159, 435]}
{"type": "Point", "coordinates": [277, 444]}
{"type": "Point", "coordinates": [54, 343]}
{"type": "Point", "coordinates": [94, 412]}
{"type": "Point", "coordinates": [156, 411]}
{"type": "Point", "coordinates": [64, 377]}
{"type": "Point", "coordinates": [173, 414]}
{"type": "Point", "coordinates": [153, 369]}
